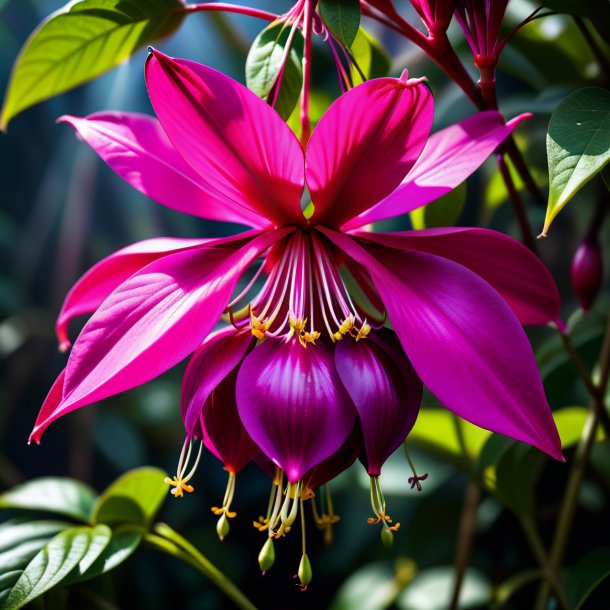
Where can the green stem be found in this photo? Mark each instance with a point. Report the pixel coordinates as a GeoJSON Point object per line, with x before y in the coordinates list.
{"type": "Point", "coordinates": [581, 459]}
{"type": "Point", "coordinates": [168, 541]}
{"type": "Point", "coordinates": [599, 54]}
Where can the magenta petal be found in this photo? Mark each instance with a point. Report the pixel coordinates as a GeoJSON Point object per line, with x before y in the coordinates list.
{"type": "Point", "coordinates": [223, 433]}
{"type": "Point", "coordinates": [94, 287]}
{"type": "Point", "coordinates": [153, 320]}
{"type": "Point", "coordinates": [232, 138]}
{"type": "Point", "coordinates": [293, 404]}
{"type": "Point", "coordinates": [364, 146]}
{"type": "Point", "coordinates": [137, 149]}
{"type": "Point", "coordinates": [51, 402]}
{"type": "Point", "coordinates": [463, 340]}
{"type": "Point", "coordinates": [512, 269]}
{"type": "Point", "coordinates": [450, 156]}
{"type": "Point", "coordinates": [387, 394]}
{"type": "Point", "coordinates": [217, 356]}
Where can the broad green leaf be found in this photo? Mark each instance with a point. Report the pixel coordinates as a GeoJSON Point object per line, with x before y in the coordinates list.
{"type": "Point", "coordinates": [438, 431]}
{"type": "Point", "coordinates": [443, 212]}
{"type": "Point", "coordinates": [511, 470]}
{"type": "Point", "coordinates": [586, 575]}
{"type": "Point", "coordinates": [133, 498]}
{"type": "Point", "coordinates": [73, 549]}
{"type": "Point", "coordinates": [372, 59]}
{"type": "Point", "coordinates": [7, 581]}
{"type": "Point", "coordinates": [342, 18]}
{"type": "Point", "coordinates": [598, 11]}
{"type": "Point", "coordinates": [570, 421]}
{"type": "Point", "coordinates": [20, 542]}
{"type": "Point", "coordinates": [52, 495]}
{"type": "Point", "coordinates": [81, 41]}
{"type": "Point", "coordinates": [264, 64]}
{"type": "Point", "coordinates": [432, 588]}
{"type": "Point", "coordinates": [577, 144]}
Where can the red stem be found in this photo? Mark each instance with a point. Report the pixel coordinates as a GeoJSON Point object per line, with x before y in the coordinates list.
{"type": "Point", "coordinates": [230, 8]}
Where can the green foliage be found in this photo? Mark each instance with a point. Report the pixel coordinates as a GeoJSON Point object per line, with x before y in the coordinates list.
{"type": "Point", "coordinates": [444, 212]}
{"type": "Point", "coordinates": [342, 18]}
{"type": "Point", "coordinates": [81, 41]}
{"type": "Point", "coordinates": [588, 573]}
{"type": "Point", "coordinates": [264, 64]}
{"type": "Point", "coordinates": [134, 498]}
{"type": "Point", "coordinates": [598, 11]}
{"type": "Point", "coordinates": [578, 145]}
{"type": "Point", "coordinates": [370, 56]}
{"type": "Point", "coordinates": [62, 496]}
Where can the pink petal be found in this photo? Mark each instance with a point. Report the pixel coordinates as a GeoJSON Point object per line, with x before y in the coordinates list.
{"type": "Point", "coordinates": [463, 340]}
{"type": "Point", "coordinates": [511, 268]}
{"type": "Point", "coordinates": [450, 156]}
{"type": "Point", "coordinates": [365, 145]}
{"type": "Point", "coordinates": [293, 404]}
{"type": "Point", "coordinates": [218, 355]}
{"type": "Point", "coordinates": [231, 137]}
{"type": "Point", "coordinates": [137, 149]}
{"type": "Point", "coordinates": [153, 320]}
{"type": "Point", "coordinates": [94, 287]}
{"type": "Point", "coordinates": [386, 391]}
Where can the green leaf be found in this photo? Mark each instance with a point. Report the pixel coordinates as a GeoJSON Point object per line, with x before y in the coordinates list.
{"type": "Point", "coordinates": [20, 542]}
{"type": "Point", "coordinates": [372, 59]}
{"type": "Point", "coordinates": [342, 18]}
{"type": "Point", "coordinates": [264, 63]}
{"type": "Point", "coordinates": [605, 174]}
{"type": "Point", "coordinates": [133, 498]}
{"type": "Point", "coordinates": [438, 432]}
{"type": "Point", "coordinates": [586, 575]}
{"type": "Point", "coordinates": [53, 495]}
{"type": "Point", "coordinates": [570, 421]}
{"type": "Point", "coordinates": [7, 581]}
{"type": "Point", "coordinates": [443, 212]}
{"type": "Point", "coordinates": [432, 588]}
{"type": "Point", "coordinates": [577, 145]}
{"type": "Point", "coordinates": [510, 586]}
{"type": "Point", "coordinates": [598, 11]}
{"type": "Point", "coordinates": [122, 544]}
{"type": "Point", "coordinates": [73, 549]}
{"type": "Point", "coordinates": [81, 41]}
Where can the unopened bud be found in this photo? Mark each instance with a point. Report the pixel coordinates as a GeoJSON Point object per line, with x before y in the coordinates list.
{"type": "Point", "coordinates": [304, 572]}
{"type": "Point", "coordinates": [266, 558]}
{"type": "Point", "coordinates": [222, 527]}
{"type": "Point", "coordinates": [387, 537]}
{"type": "Point", "coordinates": [587, 273]}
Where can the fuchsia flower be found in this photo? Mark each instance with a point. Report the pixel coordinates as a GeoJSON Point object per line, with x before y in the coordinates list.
{"type": "Point", "coordinates": [306, 373]}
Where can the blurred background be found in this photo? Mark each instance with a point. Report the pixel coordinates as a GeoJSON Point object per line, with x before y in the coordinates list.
{"type": "Point", "coordinates": [62, 210]}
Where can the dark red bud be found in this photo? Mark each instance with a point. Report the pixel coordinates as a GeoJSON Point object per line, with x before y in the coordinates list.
{"type": "Point", "coordinates": [587, 273]}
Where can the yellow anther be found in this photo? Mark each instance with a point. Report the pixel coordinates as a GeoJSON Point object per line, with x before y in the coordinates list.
{"type": "Point", "coordinates": [364, 331]}
{"type": "Point", "coordinates": [259, 328]}
{"type": "Point", "coordinates": [297, 329]}
{"type": "Point", "coordinates": [347, 325]}
{"type": "Point", "coordinates": [329, 519]}
{"type": "Point", "coordinates": [223, 511]}
{"type": "Point", "coordinates": [311, 337]}
{"type": "Point", "coordinates": [262, 524]}
{"type": "Point", "coordinates": [337, 336]}
{"type": "Point", "coordinates": [307, 494]}
{"type": "Point", "coordinates": [179, 486]}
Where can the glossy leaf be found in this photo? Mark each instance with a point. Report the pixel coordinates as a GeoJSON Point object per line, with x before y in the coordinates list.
{"type": "Point", "coordinates": [372, 59]}
{"type": "Point", "coordinates": [7, 581]}
{"type": "Point", "coordinates": [53, 495]}
{"type": "Point", "coordinates": [444, 212]}
{"type": "Point", "coordinates": [20, 542]}
{"type": "Point", "coordinates": [264, 64]}
{"type": "Point", "coordinates": [73, 549]}
{"type": "Point", "coordinates": [133, 499]}
{"type": "Point", "coordinates": [578, 145]}
{"type": "Point", "coordinates": [586, 575]}
{"type": "Point", "coordinates": [81, 41]}
{"type": "Point", "coordinates": [442, 433]}
{"type": "Point", "coordinates": [342, 18]}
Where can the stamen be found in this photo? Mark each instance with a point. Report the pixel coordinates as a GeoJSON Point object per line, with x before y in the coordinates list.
{"type": "Point", "coordinates": [179, 482]}
{"type": "Point", "coordinates": [259, 328]}
{"type": "Point", "coordinates": [222, 527]}
{"type": "Point", "coordinates": [415, 480]}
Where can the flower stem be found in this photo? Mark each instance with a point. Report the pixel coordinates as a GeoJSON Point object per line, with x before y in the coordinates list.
{"type": "Point", "coordinates": [468, 522]}
{"type": "Point", "coordinates": [581, 459]}
{"type": "Point", "coordinates": [166, 540]}
{"type": "Point", "coordinates": [518, 206]}
{"type": "Point", "coordinates": [307, 35]}
{"type": "Point", "coordinates": [230, 8]}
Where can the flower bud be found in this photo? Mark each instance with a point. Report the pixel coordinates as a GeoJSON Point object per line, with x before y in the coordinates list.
{"type": "Point", "coordinates": [587, 273]}
{"type": "Point", "coordinates": [223, 527]}
{"type": "Point", "coordinates": [305, 573]}
{"type": "Point", "coordinates": [266, 557]}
